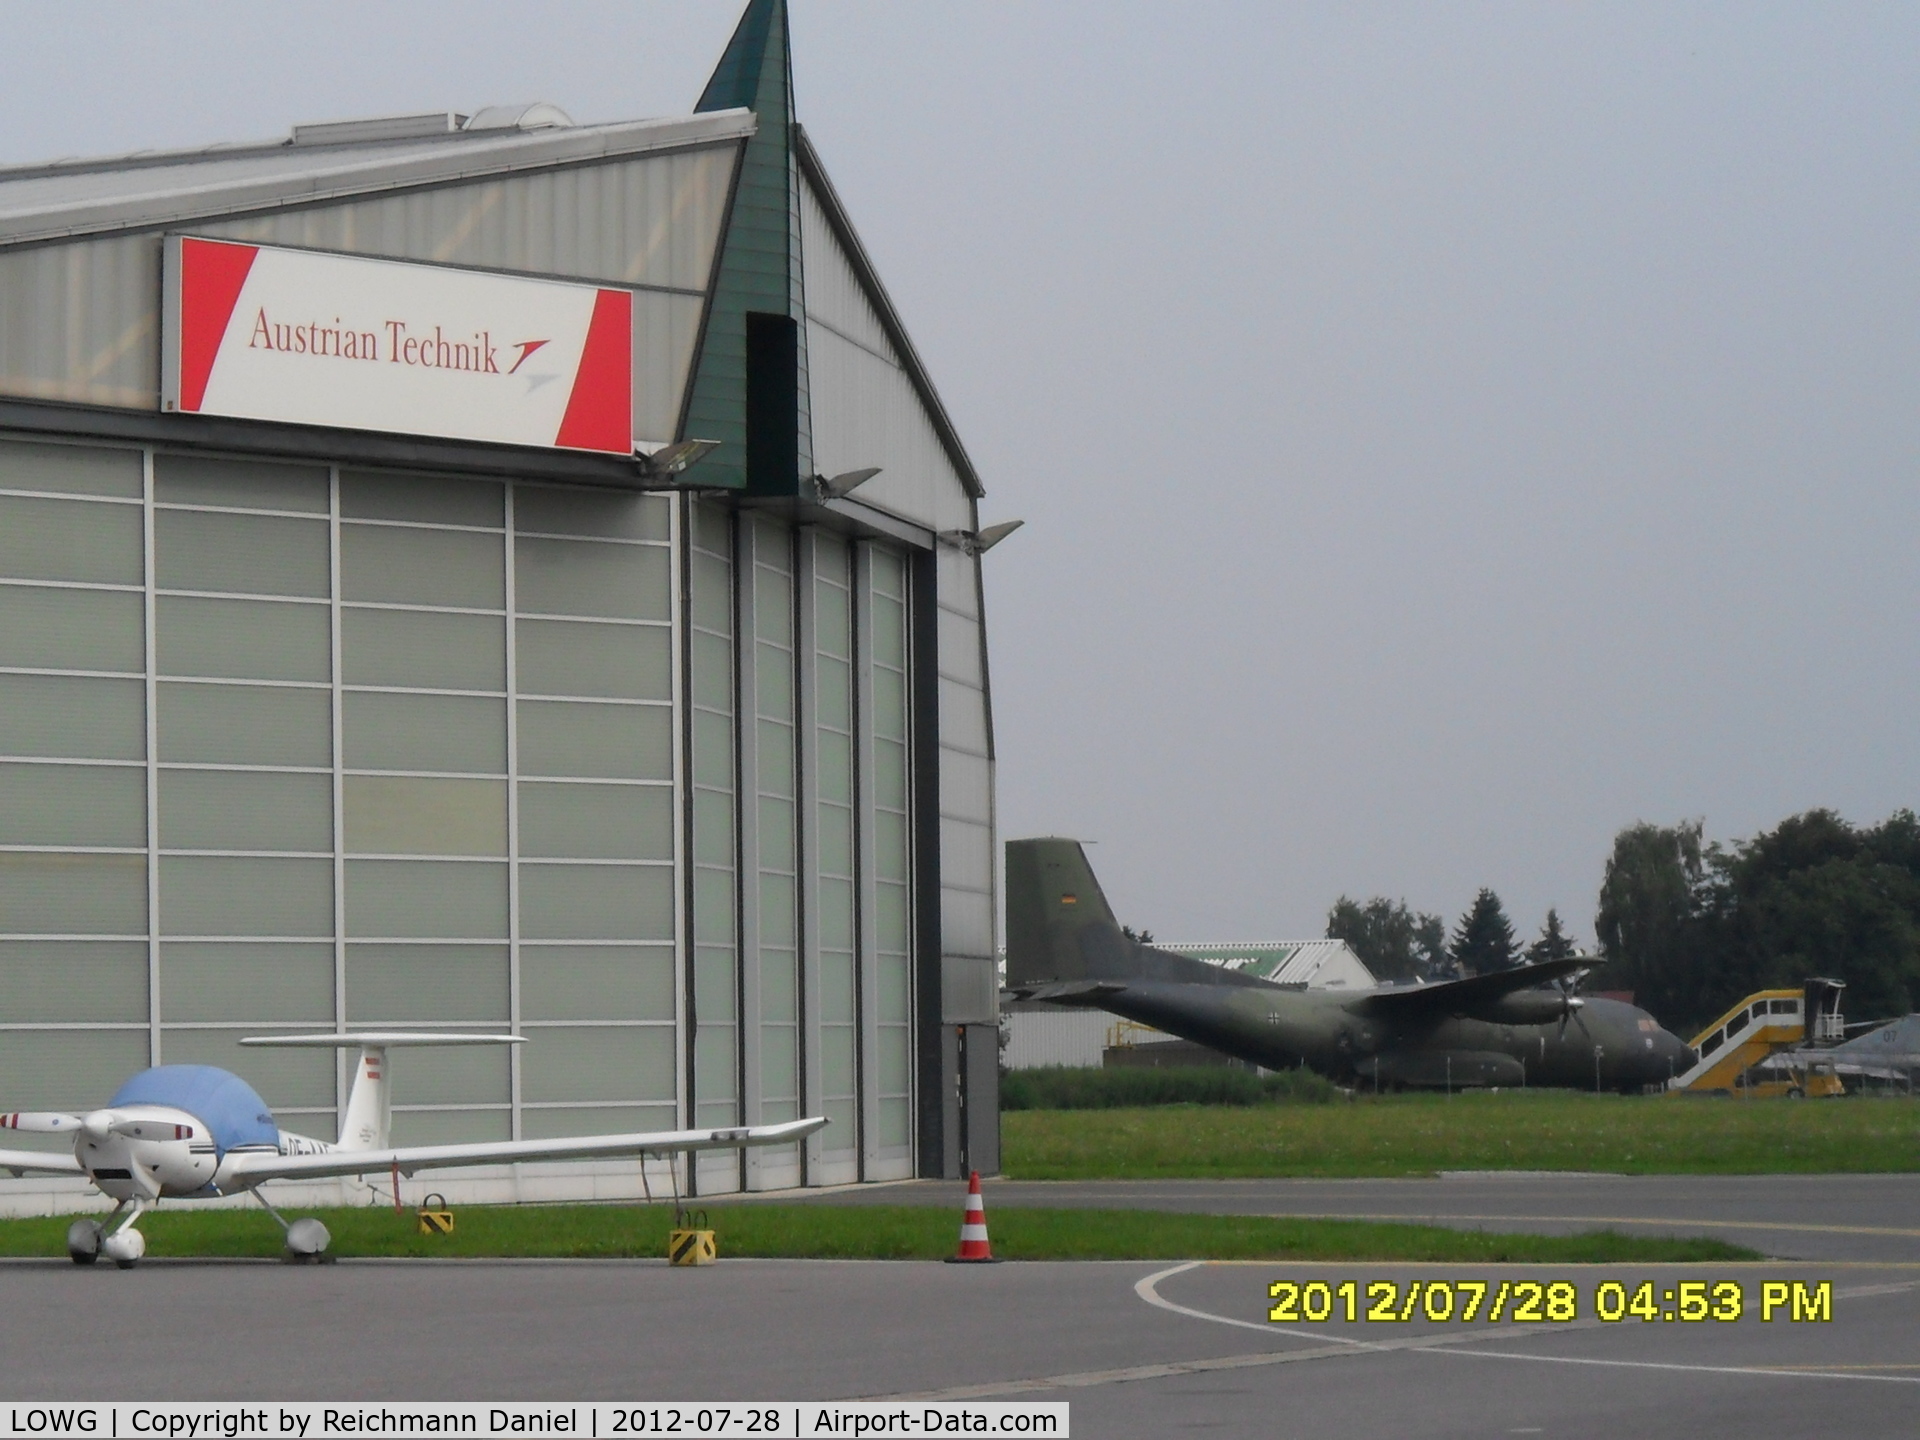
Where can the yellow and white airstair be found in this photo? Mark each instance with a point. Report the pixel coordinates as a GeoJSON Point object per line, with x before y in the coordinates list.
{"type": "Point", "coordinates": [1763, 1024]}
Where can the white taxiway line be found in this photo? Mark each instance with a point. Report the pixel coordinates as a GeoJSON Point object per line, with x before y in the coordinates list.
{"type": "Point", "coordinates": [1793, 1374]}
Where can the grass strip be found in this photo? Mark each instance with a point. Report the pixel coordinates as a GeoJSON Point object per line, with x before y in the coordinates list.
{"type": "Point", "coordinates": [902, 1232]}
{"type": "Point", "coordinates": [1092, 1088]}
{"type": "Point", "coordinates": [1396, 1135]}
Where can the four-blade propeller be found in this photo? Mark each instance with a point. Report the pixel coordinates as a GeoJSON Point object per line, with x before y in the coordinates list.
{"type": "Point", "coordinates": [1571, 1004]}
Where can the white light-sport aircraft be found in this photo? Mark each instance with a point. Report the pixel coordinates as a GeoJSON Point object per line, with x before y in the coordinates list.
{"type": "Point", "coordinates": [196, 1132]}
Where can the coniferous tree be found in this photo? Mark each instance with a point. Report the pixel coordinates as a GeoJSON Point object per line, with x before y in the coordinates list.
{"type": "Point", "coordinates": [1553, 942]}
{"type": "Point", "coordinates": [1483, 941]}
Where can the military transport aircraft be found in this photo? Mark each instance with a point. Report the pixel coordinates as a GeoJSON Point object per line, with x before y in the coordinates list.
{"type": "Point", "coordinates": [1064, 946]}
{"type": "Point", "coordinates": [196, 1132]}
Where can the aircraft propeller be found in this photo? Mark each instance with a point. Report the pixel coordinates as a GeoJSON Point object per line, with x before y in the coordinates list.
{"type": "Point", "coordinates": [40, 1122]}
{"type": "Point", "coordinates": [96, 1125]}
{"type": "Point", "coordinates": [1571, 1004]}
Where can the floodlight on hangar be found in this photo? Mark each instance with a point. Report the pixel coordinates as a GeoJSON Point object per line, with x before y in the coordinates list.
{"type": "Point", "coordinates": [978, 542]}
{"type": "Point", "coordinates": [669, 460]}
{"type": "Point", "coordinates": [833, 487]}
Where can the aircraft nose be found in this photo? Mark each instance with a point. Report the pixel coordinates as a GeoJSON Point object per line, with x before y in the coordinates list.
{"type": "Point", "coordinates": [1675, 1051]}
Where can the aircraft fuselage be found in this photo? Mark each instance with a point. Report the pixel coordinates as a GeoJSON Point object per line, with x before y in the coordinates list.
{"type": "Point", "coordinates": [1607, 1045]}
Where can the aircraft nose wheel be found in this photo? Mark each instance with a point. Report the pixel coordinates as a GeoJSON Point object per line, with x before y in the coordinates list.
{"type": "Point", "coordinates": [307, 1241]}
{"type": "Point", "coordinates": [83, 1241]}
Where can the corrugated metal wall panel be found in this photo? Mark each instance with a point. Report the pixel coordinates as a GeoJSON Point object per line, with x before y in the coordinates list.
{"type": "Point", "coordinates": [959, 581]}
{"type": "Point", "coordinates": [866, 412]}
{"type": "Point", "coordinates": [865, 409]}
{"type": "Point", "coordinates": [651, 221]}
{"type": "Point", "coordinates": [966, 928]}
{"type": "Point", "coordinates": [834, 293]}
{"type": "Point", "coordinates": [963, 717]}
{"type": "Point", "coordinates": [965, 787]}
{"type": "Point", "coordinates": [80, 321]}
{"type": "Point", "coordinates": [965, 863]}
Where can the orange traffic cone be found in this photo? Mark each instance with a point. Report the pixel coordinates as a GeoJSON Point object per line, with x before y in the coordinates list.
{"type": "Point", "coordinates": [975, 1249]}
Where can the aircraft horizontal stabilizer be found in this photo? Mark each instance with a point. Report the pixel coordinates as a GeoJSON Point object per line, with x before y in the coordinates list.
{"type": "Point", "coordinates": [248, 1170]}
{"type": "Point", "coordinates": [36, 1162]}
{"type": "Point", "coordinates": [1463, 997]}
{"type": "Point", "coordinates": [1070, 992]}
{"type": "Point", "coordinates": [376, 1039]}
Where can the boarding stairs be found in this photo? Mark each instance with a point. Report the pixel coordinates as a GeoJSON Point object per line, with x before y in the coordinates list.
{"type": "Point", "coordinates": [1763, 1024]}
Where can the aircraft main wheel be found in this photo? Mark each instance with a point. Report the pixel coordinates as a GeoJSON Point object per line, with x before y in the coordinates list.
{"type": "Point", "coordinates": [83, 1241]}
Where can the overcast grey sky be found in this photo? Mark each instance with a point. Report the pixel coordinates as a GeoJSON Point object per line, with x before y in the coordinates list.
{"type": "Point", "coordinates": [1447, 433]}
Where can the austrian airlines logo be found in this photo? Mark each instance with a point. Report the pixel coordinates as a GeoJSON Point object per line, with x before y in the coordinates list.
{"type": "Point", "coordinates": [526, 348]}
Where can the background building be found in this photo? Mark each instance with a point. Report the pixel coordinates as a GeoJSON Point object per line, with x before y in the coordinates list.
{"type": "Point", "coordinates": [687, 776]}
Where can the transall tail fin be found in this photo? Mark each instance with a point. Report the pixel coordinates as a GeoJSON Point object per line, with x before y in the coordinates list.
{"type": "Point", "coordinates": [368, 1121]}
{"type": "Point", "coordinates": [1061, 929]}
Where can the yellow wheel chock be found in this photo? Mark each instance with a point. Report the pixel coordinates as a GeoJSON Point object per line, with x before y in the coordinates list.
{"type": "Point", "coordinates": [689, 1242]}
{"type": "Point", "coordinates": [435, 1217]}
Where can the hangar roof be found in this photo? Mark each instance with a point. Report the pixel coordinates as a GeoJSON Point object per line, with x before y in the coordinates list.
{"type": "Point", "coordinates": [149, 189]}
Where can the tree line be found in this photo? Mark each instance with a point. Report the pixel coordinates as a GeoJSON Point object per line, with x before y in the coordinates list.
{"type": "Point", "coordinates": [1691, 926]}
{"type": "Point", "coordinates": [1395, 943]}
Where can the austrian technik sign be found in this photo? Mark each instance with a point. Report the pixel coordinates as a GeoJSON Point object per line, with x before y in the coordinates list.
{"type": "Point", "coordinates": [262, 333]}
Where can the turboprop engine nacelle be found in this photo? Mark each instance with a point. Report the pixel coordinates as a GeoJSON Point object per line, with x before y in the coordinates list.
{"type": "Point", "coordinates": [1529, 1007]}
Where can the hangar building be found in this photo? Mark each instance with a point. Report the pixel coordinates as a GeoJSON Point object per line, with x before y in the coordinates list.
{"type": "Point", "coordinates": [375, 651]}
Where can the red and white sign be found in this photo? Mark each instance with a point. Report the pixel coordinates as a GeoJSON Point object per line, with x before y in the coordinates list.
{"type": "Point", "coordinates": [262, 333]}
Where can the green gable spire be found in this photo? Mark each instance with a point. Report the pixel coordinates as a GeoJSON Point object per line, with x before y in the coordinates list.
{"type": "Point", "coordinates": [749, 386]}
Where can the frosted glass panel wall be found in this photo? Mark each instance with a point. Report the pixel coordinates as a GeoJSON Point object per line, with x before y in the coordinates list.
{"type": "Point", "coordinates": [834, 789]}
{"type": "Point", "coordinates": [716, 969]}
{"type": "Point", "coordinates": [74, 799]}
{"type": "Point", "coordinates": [887, 815]}
{"type": "Point", "coordinates": [596, 912]}
{"type": "Point", "coordinates": [777, 823]}
{"type": "Point", "coordinates": [424, 790]}
{"type": "Point", "coordinates": [288, 747]}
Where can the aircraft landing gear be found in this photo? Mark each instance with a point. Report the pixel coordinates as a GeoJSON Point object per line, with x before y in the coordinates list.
{"type": "Point", "coordinates": [83, 1241]}
{"type": "Point", "coordinates": [307, 1238]}
{"type": "Point", "coordinates": [88, 1240]}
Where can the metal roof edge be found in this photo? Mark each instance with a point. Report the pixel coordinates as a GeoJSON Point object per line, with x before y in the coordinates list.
{"type": "Point", "coordinates": [457, 159]}
{"type": "Point", "coordinates": [815, 175]}
{"type": "Point", "coordinates": [840, 513]}
{"type": "Point", "coordinates": [1243, 944]}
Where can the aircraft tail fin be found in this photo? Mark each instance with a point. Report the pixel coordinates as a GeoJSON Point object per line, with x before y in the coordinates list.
{"type": "Point", "coordinates": [1060, 927]}
{"type": "Point", "coordinates": [368, 1121]}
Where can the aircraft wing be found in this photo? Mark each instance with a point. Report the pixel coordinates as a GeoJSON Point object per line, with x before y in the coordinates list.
{"type": "Point", "coordinates": [41, 1162]}
{"type": "Point", "coordinates": [1453, 997]}
{"type": "Point", "coordinates": [251, 1169]}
